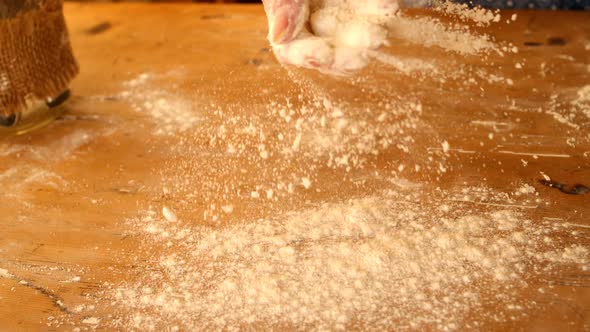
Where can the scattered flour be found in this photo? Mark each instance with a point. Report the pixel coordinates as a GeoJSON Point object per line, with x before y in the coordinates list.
{"type": "Point", "coordinates": [446, 146]}
{"type": "Point", "coordinates": [5, 274]}
{"type": "Point", "coordinates": [91, 321]}
{"type": "Point", "coordinates": [582, 101]}
{"type": "Point", "coordinates": [480, 16]}
{"type": "Point", "coordinates": [57, 149]}
{"type": "Point", "coordinates": [267, 254]}
{"type": "Point", "coordinates": [406, 66]}
{"type": "Point", "coordinates": [410, 257]}
{"type": "Point", "coordinates": [16, 181]}
{"type": "Point", "coordinates": [169, 112]}
{"type": "Point", "coordinates": [306, 182]}
{"type": "Point", "coordinates": [430, 32]}
{"type": "Point", "coordinates": [373, 263]}
{"type": "Point", "coordinates": [526, 189]}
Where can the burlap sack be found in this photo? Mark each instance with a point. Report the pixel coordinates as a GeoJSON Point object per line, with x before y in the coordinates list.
{"type": "Point", "coordinates": [36, 58]}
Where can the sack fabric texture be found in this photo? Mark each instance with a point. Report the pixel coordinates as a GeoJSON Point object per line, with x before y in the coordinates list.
{"type": "Point", "coordinates": [36, 59]}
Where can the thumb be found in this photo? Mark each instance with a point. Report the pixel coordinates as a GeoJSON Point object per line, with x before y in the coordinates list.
{"type": "Point", "coordinates": [286, 19]}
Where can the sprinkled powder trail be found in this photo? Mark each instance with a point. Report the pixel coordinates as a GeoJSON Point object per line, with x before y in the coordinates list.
{"type": "Point", "coordinates": [371, 263]}
{"type": "Point", "coordinates": [314, 214]}
{"type": "Point", "coordinates": [169, 112]}
{"type": "Point", "coordinates": [480, 16]}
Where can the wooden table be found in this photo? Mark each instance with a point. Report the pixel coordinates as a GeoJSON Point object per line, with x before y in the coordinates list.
{"type": "Point", "coordinates": [158, 81]}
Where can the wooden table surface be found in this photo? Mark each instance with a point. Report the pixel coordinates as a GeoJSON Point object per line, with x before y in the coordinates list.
{"type": "Point", "coordinates": [158, 81]}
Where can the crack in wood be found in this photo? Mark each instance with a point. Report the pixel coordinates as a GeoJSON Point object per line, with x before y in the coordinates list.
{"type": "Point", "coordinates": [577, 189]}
{"type": "Point", "coordinates": [55, 300]}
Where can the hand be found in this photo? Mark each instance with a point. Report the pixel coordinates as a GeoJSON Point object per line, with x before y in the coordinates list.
{"type": "Point", "coordinates": [323, 40]}
{"type": "Point", "coordinates": [286, 19]}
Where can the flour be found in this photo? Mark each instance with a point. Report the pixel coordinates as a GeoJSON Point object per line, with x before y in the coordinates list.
{"type": "Point", "coordinates": [404, 65]}
{"type": "Point", "coordinates": [5, 274]}
{"type": "Point", "coordinates": [430, 32]}
{"type": "Point", "coordinates": [169, 214]}
{"type": "Point", "coordinates": [306, 182]}
{"type": "Point", "coordinates": [480, 16]}
{"type": "Point", "coordinates": [72, 280]}
{"type": "Point", "coordinates": [526, 189]}
{"type": "Point", "coordinates": [91, 321]}
{"type": "Point", "coordinates": [583, 94]}
{"type": "Point", "coordinates": [582, 100]}
{"type": "Point", "coordinates": [314, 212]}
{"type": "Point", "coordinates": [169, 112]}
{"type": "Point", "coordinates": [17, 181]}
{"type": "Point", "coordinates": [446, 146]}
{"type": "Point", "coordinates": [379, 263]}
{"type": "Point", "coordinates": [57, 149]}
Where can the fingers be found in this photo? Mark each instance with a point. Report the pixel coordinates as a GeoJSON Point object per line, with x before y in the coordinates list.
{"type": "Point", "coordinates": [286, 19]}
{"type": "Point", "coordinates": [342, 31]}
{"type": "Point", "coordinates": [312, 52]}
{"type": "Point", "coordinates": [309, 52]}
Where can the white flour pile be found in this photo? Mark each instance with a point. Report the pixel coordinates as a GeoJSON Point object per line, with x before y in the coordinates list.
{"type": "Point", "coordinates": [402, 259]}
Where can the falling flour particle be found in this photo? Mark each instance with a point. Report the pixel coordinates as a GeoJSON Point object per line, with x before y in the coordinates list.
{"type": "Point", "coordinates": [429, 32]}
{"type": "Point", "coordinates": [72, 280]}
{"type": "Point", "coordinates": [445, 146]}
{"type": "Point", "coordinates": [306, 182]}
{"type": "Point", "coordinates": [227, 208]}
{"type": "Point", "coordinates": [480, 16]}
{"type": "Point", "coordinates": [79, 308]}
{"type": "Point", "coordinates": [169, 214]}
